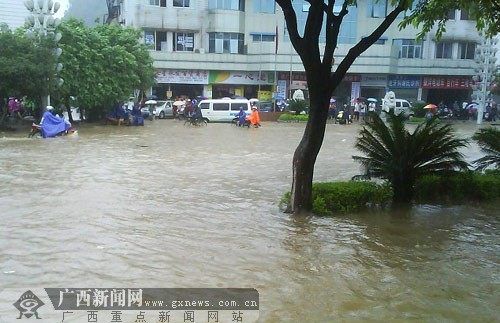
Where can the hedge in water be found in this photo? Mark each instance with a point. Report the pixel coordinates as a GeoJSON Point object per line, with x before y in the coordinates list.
{"type": "Point", "coordinates": [288, 117]}
{"type": "Point", "coordinates": [458, 187]}
{"type": "Point", "coordinates": [345, 197]}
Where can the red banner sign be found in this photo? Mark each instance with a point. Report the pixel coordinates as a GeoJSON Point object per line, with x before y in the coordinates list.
{"type": "Point", "coordinates": [446, 82]}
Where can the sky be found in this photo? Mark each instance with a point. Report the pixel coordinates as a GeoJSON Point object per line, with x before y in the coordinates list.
{"type": "Point", "coordinates": [64, 7]}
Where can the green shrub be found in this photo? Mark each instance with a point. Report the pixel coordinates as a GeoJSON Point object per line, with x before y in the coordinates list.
{"type": "Point", "coordinates": [458, 187]}
{"type": "Point", "coordinates": [297, 106]}
{"type": "Point", "coordinates": [345, 197]}
{"type": "Point", "coordinates": [416, 120]}
{"type": "Point", "coordinates": [287, 117]}
{"type": "Point", "coordinates": [418, 109]}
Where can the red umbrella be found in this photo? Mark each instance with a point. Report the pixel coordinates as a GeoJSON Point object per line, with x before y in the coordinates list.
{"type": "Point", "coordinates": [430, 106]}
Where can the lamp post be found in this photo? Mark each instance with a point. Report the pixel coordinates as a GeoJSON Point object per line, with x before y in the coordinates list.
{"type": "Point", "coordinates": [485, 71]}
{"type": "Point", "coordinates": [41, 23]}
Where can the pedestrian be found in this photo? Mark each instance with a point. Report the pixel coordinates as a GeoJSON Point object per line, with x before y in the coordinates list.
{"type": "Point", "coordinates": [357, 109]}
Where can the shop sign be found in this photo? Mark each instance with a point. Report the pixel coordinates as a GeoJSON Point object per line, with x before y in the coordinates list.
{"type": "Point", "coordinates": [244, 78]}
{"type": "Point", "coordinates": [296, 76]}
{"type": "Point", "coordinates": [404, 82]}
{"type": "Point", "coordinates": [298, 85]}
{"type": "Point", "coordinates": [264, 95]}
{"type": "Point", "coordinates": [182, 77]}
{"type": "Point", "coordinates": [281, 90]}
{"type": "Point", "coordinates": [374, 80]}
{"type": "Point", "coordinates": [352, 78]}
{"type": "Point", "coordinates": [446, 82]}
{"type": "Point", "coordinates": [355, 90]}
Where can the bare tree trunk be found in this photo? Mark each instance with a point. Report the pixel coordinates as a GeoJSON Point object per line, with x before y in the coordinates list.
{"type": "Point", "coordinates": [305, 155]}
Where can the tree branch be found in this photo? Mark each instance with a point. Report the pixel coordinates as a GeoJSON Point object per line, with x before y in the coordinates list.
{"type": "Point", "coordinates": [291, 24]}
{"type": "Point", "coordinates": [312, 30]}
{"type": "Point", "coordinates": [332, 31]}
{"type": "Point", "coordinates": [363, 45]}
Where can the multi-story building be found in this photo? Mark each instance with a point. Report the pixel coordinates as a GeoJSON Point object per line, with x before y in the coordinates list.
{"type": "Point", "coordinates": [12, 13]}
{"type": "Point", "coordinates": [219, 48]}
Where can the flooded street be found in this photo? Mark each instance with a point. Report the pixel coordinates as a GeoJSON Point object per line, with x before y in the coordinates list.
{"type": "Point", "coordinates": [172, 206]}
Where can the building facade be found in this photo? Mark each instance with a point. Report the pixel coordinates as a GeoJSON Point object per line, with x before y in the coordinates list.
{"type": "Point", "coordinates": [219, 48]}
{"type": "Point", "coordinates": [13, 13]}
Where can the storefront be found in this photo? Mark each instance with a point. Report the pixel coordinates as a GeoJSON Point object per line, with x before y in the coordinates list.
{"type": "Point", "coordinates": [180, 83]}
{"type": "Point", "coordinates": [373, 85]}
{"type": "Point", "coordinates": [240, 84]}
{"type": "Point", "coordinates": [299, 82]}
{"type": "Point", "coordinates": [406, 87]}
{"type": "Point", "coordinates": [446, 89]}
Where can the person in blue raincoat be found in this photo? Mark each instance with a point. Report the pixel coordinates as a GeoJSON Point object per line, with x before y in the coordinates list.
{"type": "Point", "coordinates": [241, 117]}
{"type": "Point", "coordinates": [52, 125]}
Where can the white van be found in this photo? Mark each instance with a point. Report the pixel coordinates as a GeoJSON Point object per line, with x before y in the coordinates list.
{"type": "Point", "coordinates": [223, 110]}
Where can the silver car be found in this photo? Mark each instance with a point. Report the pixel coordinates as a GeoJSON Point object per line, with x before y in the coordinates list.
{"type": "Point", "coordinates": [164, 110]}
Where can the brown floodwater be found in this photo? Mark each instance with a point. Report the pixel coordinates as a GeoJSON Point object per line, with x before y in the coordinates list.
{"type": "Point", "coordinates": [172, 206]}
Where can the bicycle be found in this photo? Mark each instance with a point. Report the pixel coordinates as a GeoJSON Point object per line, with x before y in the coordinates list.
{"type": "Point", "coordinates": [198, 122]}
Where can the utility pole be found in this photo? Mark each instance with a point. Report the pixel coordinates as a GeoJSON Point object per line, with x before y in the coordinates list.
{"type": "Point", "coordinates": [485, 71]}
{"type": "Point", "coordinates": [41, 23]}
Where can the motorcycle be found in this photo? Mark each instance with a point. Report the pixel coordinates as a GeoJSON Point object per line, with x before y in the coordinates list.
{"type": "Point", "coordinates": [36, 130]}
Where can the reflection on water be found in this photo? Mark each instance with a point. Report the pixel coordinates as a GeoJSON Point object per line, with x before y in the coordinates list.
{"type": "Point", "coordinates": [173, 206]}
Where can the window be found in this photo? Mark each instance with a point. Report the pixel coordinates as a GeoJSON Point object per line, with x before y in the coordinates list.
{"type": "Point", "coordinates": [227, 4]}
{"type": "Point", "coordinates": [409, 48]}
{"type": "Point", "coordinates": [237, 106]}
{"type": "Point", "coordinates": [181, 3]}
{"type": "Point", "coordinates": [160, 3]}
{"type": "Point", "coordinates": [204, 106]}
{"type": "Point", "coordinates": [225, 43]}
{"type": "Point", "coordinates": [406, 104]}
{"type": "Point", "coordinates": [263, 37]}
{"type": "Point", "coordinates": [467, 50]}
{"type": "Point", "coordinates": [451, 14]}
{"type": "Point", "coordinates": [156, 40]}
{"type": "Point", "coordinates": [183, 42]}
{"type": "Point", "coordinates": [220, 106]}
{"type": "Point", "coordinates": [377, 8]}
{"type": "Point", "coordinates": [264, 6]}
{"type": "Point", "coordinates": [443, 50]}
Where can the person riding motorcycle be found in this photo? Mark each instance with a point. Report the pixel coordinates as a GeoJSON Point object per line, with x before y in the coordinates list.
{"type": "Point", "coordinates": [52, 125]}
{"type": "Point", "coordinates": [254, 118]}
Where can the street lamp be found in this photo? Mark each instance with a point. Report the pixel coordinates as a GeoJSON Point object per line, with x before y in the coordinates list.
{"type": "Point", "coordinates": [41, 23]}
{"type": "Point", "coordinates": [485, 71]}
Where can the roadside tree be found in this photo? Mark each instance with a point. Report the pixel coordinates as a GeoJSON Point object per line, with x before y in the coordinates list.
{"type": "Point", "coordinates": [318, 63]}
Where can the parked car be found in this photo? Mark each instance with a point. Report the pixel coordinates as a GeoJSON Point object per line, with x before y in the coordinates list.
{"type": "Point", "coordinates": [164, 109]}
{"type": "Point", "coordinates": [403, 106]}
{"type": "Point", "coordinates": [148, 110]}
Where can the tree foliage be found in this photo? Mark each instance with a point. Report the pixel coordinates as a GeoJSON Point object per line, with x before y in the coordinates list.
{"type": "Point", "coordinates": [27, 67]}
{"type": "Point", "coordinates": [489, 141]}
{"type": "Point", "coordinates": [393, 153]}
{"type": "Point", "coordinates": [102, 64]}
{"type": "Point", "coordinates": [318, 62]}
{"type": "Point", "coordinates": [428, 14]}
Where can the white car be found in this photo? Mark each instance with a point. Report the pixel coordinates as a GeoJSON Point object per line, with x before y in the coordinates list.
{"type": "Point", "coordinates": [403, 106]}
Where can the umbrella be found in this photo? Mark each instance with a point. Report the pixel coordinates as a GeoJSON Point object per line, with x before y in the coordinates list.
{"type": "Point", "coordinates": [332, 100]}
{"type": "Point", "coordinates": [360, 99]}
{"type": "Point", "coordinates": [179, 103]}
{"type": "Point", "coordinates": [372, 100]}
{"type": "Point", "coordinates": [430, 106]}
{"type": "Point", "coordinates": [150, 102]}
{"type": "Point", "coordinates": [473, 106]}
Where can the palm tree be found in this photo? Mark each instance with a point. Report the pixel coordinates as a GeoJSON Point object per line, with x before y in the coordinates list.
{"type": "Point", "coordinates": [394, 154]}
{"type": "Point", "coordinates": [488, 140]}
